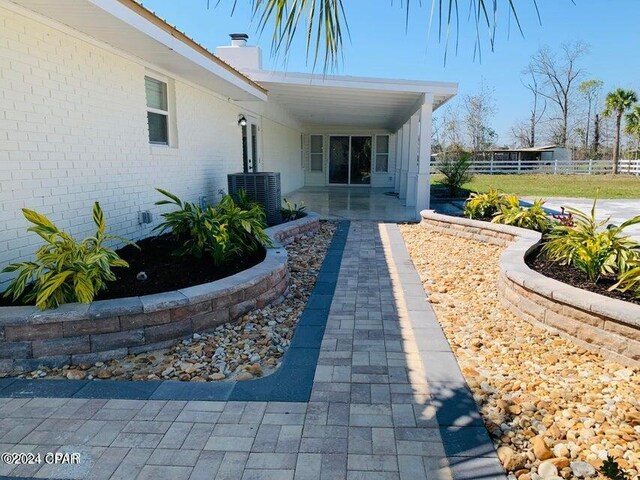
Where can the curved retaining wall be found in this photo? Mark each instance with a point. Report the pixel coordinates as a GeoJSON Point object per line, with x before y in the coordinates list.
{"type": "Point", "coordinates": [596, 322]}
{"type": "Point", "coordinates": [88, 333]}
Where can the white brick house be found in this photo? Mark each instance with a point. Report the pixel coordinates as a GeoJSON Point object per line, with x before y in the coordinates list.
{"type": "Point", "coordinates": [102, 100]}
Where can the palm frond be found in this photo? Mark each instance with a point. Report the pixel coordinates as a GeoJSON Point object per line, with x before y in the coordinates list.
{"type": "Point", "coordinates": [326, 23]}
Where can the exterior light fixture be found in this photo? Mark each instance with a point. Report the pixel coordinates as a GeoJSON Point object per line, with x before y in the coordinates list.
{"type": "Point", "coordinates": [242, 121]}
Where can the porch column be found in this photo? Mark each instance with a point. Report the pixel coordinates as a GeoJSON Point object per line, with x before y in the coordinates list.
{"type": "Point", "coordinates": [398, 160]}
{"type": "Point", "coordinates": [412, 172]}
{"type": "Point", "coordinates": [405, 160]}
{"type": "Point", "coordinates": [424, 156]}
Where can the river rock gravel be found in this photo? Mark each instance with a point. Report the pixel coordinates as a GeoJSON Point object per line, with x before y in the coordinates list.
{"type": "Point", "coordinates": [553, 409]}
{"type": "Point", "coordinates": [249, 347]}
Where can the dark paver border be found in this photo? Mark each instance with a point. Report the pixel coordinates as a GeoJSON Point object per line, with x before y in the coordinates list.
{"type": "Point", "coordinates": [292, 382]}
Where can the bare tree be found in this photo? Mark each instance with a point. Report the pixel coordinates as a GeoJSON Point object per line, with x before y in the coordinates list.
{"type": "Point", "coordinates": [521, 133]}
{"type": "Point", "coordinates": [531, 83]}
{"type": "Point", "coordinates": [450, 134]}
{"type": "Point", "coordinates": [558, 74]}
{"type": "Point", "coordinates": [590, 90]}
{"type": "Point", "coordinates": [479, 110]}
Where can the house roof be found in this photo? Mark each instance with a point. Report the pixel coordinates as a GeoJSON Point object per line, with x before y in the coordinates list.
{"type": "Point", "coordinates": [318, 100]}
{"type": "Point", "coordinates": [133, 29]}
{"type": "Point", "coordinates": [314, 99]}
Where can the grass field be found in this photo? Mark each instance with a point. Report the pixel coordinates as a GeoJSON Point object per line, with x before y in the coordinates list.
{"type": "Point", "coordinates": [579, 186]}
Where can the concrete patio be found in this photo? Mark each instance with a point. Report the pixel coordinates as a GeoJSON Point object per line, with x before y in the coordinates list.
{"type": "Point", "coordinates": [354, 203]}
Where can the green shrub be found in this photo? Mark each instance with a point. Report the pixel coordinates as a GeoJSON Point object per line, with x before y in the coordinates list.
{"type": "Point", "coordinates": [533, 218]}
{"type": "Point", "coordinates": [223, 232]}
{"type": "Point", "coordinates": [64, 270]}
{"type": "Point", "coordinates": [485, 205]}
{"type": "Point", "coordinates": [245, 227]}
{"type": "Point", "coordinates": [292, 211]}
{"type": "Point", "coordinates": [196, 227]}
{"type": "Point", "coordinates": [590, 248]}
{"type": "Point", "coordinates": [243, 201]}
{"type": "Point", "coordinates": [456, 172]}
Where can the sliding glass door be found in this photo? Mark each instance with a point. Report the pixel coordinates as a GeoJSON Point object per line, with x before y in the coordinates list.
{"type": "Point", "coordinates": [339, 160]}
{"type": "Point", "coordinates": [360, 161]}
{"type": "Point", "coordinates": [350, 160]}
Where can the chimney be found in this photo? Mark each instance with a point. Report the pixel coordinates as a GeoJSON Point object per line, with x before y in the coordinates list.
{"type": "Point", "coordinates": [239, 54]}
{"type": "Point", "coordinates": [239, 39]}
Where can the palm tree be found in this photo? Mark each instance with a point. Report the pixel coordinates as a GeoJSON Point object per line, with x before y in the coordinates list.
{"type": "Point", "coordinates": [617, 103]}
{"type": "Point", "coordinates": [325, 22]}
{"type": "Point", "coordinates": [632, 126]}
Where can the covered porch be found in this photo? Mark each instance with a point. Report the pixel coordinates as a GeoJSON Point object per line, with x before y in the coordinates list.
{"type": "Point", "coordinates": [362, 140]}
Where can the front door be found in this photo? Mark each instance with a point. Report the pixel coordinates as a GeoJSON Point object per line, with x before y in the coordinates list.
{"type": "Point", "coordinates": [350, 160]}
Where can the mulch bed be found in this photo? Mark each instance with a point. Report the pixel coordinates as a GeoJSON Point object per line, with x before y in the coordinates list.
{"type": "Point", "coordinates": [574, 277]}
{"type": "Point", "coordinates": [165, 272]}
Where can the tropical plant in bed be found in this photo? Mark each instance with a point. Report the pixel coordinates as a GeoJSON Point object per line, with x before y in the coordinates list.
{"type": "Point", "coordinates": [533, 217]}
{"type": "Point", "coordinates": [243, 201]}
{"type": "Point", "coordinates": [292, 211]}
{"type": "Point", "coordinates": [197, 228]}
{"type": "Point", "coordinates": [245, 227]}
{"type": "Point", "coordinates": [222, 232]}
{"type": "Point", "coordinates": [64, 270]}
{"type": "Point", "coordinates": [592, 248]}
{"type": "Point", "coordinates": [629, 281]}
{"type": "Point", "coordinates": [485, 205]}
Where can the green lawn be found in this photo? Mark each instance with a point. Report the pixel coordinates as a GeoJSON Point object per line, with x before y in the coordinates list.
{"type": "Point", "coordinates": [580, 186]}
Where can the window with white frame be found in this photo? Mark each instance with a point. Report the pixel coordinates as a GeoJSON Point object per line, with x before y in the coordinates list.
{"type": "Point", "coordinates": [157, 110]}
{"type": "Point", "coordinates": [316, 153]}
{"type": "Point", "coordinates": [382, 153]}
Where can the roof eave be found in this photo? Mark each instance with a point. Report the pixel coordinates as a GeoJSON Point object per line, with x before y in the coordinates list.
{"type": "Point", "coordinates": [160, 23]}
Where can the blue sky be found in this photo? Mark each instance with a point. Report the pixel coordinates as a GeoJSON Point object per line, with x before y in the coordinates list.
{"type": "Point", "coordinates": [380, 46]}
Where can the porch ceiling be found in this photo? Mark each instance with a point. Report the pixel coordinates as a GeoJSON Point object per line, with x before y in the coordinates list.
{"type": "Point", "coordinates": [332, 101]}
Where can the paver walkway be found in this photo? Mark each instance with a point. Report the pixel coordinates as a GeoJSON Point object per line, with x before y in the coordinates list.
{"type": "Point", "coordinates": [388, 402]}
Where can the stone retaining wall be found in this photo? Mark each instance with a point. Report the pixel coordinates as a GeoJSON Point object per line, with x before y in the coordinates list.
{"type": "Point", "coordinates": [87, 333]}
{"type": "Point", "coordinates": [593, 321]}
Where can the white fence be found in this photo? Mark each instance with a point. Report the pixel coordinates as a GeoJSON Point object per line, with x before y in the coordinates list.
{"type": "Point", "coordinates": [573, 167]}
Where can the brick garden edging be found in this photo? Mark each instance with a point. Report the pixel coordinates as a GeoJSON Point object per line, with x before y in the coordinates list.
{"type": "Point", "coordinates": [106, 329]}
{"type": "Point", "coordinates": [593, 321]}
{"type": "Point", "coordinates": [292, 382]}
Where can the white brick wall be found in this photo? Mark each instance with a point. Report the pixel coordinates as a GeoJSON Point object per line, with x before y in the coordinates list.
{"type": "Point", "coordinates": [281, 150]}
{"type": "Point", "coordinates": [73, 130]}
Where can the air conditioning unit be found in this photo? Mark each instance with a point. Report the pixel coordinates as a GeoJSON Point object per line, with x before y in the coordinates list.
{"type": "Point", "coordinates": [262, 188]}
